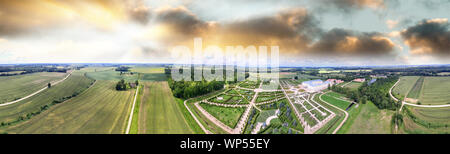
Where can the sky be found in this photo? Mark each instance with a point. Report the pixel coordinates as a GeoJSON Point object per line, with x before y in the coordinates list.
{"type": "Point", "coordinates": [308, 32]}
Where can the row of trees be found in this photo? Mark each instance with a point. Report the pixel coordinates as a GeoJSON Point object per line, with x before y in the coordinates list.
{"type": "Point", "coordinates": [378, 93]}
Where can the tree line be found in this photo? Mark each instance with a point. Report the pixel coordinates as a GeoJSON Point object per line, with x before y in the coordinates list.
{"type": "Point", "coordinates": [377, 92]}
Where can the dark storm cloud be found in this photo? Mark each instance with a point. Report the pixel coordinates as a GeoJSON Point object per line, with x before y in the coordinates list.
{"type": "Point", "coordinates": [344, 41]}
{"type": "Point", "coordinates": [429, 36]}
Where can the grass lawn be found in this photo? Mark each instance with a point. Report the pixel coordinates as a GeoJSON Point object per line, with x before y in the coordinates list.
{"type": "Point", "coordinates": [19, 86]}
{"type": "Point", "coordinates": [354, 85]}
{"type": "Point", "coordinates": [227, 115]}
{"type": "Point", "coordinates": [135, 121]}
{"type": "Point", "coordinates": [159, 112]}
{"type": "Point", "coordinates": [336, 102]}
{"type": "Point", "coordinates": [100, 109]}
{"type": "Point", "coordinates": [371, 120]}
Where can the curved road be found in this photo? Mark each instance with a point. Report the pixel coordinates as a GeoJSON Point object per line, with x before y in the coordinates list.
{"type": "Point", "coordinates": [37, 92]}
{"type": "Point", "coordinates": [195, 118]}
{"type": "Point", "coordinates": [406, 103]}
{"type": "Point", "coordinates": [345, 118]}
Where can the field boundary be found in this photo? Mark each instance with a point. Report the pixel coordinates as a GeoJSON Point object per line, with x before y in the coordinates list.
{"type": "Point", "coordinates": [406, 103]}
{"type": "Point", "coordinates": [37, 92]}
{"type": "Point", "coordinates": [132, 111]}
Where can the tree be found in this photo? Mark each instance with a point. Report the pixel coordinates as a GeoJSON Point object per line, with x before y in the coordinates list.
{"type": "Point", "coordinates": [49, 85]}
{"type": "Point", "coordinates": [121, 85]}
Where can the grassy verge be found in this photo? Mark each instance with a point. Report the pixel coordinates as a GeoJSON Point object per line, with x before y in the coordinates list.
{"type": "Point", "coordinates": [135, 121]}
{"type": "Point", "coordinates": [191, 121]}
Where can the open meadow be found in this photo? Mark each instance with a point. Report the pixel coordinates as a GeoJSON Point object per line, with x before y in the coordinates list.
{"type": "Point", "coordinates": [371, 120]}
{"type": "Point", "coordinates": [159, 112]}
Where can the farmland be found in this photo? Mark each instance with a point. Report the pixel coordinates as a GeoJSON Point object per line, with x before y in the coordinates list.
{"type": "Point", "coordinates": [405, 85]}
{"type": "Point", "coordinates": [415, 91]}
{"type": "Point", "coordinates": [14, 113]}
{"type": "Point", "coordinates": [419, 120]}
{"type": "Point", "coordinates": [112, 75]}
{"type": "Point", "coordinates": [159, 112]}
{"type": "Point", "coordinates": [18, 86]}
{"type": "Point", "coordinates": [435, 91]}
{"type": "Point", "coordinates": [140, 69]}
{"type": "Point", "coordinates": [100, 109]}
{"type": "Point", "coordinates": [241, 107]}
{"type": "Point", "coordinates": [371, 120]}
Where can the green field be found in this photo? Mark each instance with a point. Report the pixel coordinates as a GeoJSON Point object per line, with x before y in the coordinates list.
{"type": "Point", "coordinates": [419, 120]}
{"type": "Point", "coordinates": [18, 86]}
{"type": "Point", "coordinates": [354, 85]}
{"type": "Point", "coordinates": [152, 77]}
{"type": "Point", "coordinates": [23, 110]}
{"type": "Point", "coordinates": [329, 127]}
{"type": "Point", "coordinates": [100, 109]}
{"type": "Point", "coordinates": [95, 69]}
{"type": "Point", "coordinates": [112, 75]}
{"type": "Point", "coordinates": [148, 69]}
{"type": "Point", "coordinates": [336, 102]}
{"type": "Point", "coordinates": [227, 115]}
{"type": "Point", "coordinates": [371, 120]}
{"type": "Point", "coordinates": [415, 91]}
{"type": "Point", "coordinates": [159, 112]}
{"type": "Point", "coordinates": [404, 86]}
{"type": "Point", "coordinates": [436, 90]}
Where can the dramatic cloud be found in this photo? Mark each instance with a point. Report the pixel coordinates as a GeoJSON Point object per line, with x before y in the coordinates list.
{"type": "Point", "coordinates": [429, 37]}
{"type": "Point", "coordinates": [296, 31]}
{"type": "Point", "coordinates": [20, 17]}
{"type": "Point", "coordinates": [348, 42]}
{"type": "Point", "coordinates": [292, 29]}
